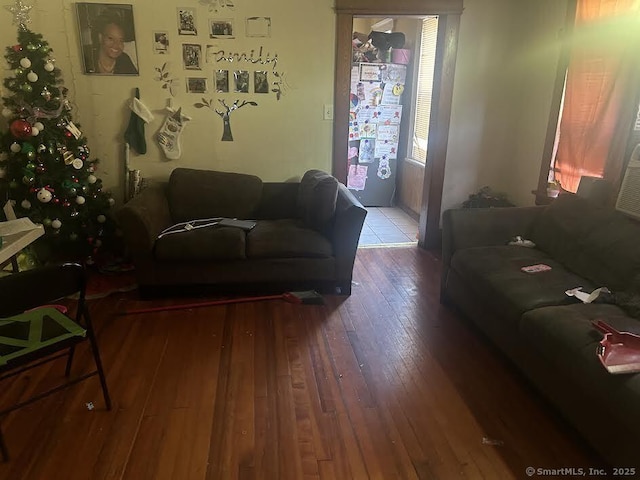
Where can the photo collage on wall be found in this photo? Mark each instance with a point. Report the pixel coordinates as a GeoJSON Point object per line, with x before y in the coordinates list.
{"type": "Point", "coordinates": [209, 65]}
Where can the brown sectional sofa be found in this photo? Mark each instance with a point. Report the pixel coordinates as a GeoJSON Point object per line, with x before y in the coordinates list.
{"type": "Point", "coordinates": [305, 236]}
{"type": "Point", "coordinates": [548, 335]}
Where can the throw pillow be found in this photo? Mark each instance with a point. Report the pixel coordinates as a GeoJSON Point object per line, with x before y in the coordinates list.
{"type": "Point", "coordinates": [197, 194]}
{"type": "Point", "coordinates": [317, 196]}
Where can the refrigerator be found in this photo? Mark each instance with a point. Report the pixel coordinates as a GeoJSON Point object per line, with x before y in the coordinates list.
{"type": "Point", "coordinates": [375, 119]}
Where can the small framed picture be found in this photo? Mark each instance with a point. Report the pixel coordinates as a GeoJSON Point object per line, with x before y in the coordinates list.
{"type": "Point", "coordinates": [260, 82]}
{"type": "Point", "coordinates": [219, 28]}
{"type": "Point", "coordinates": [161, 42]}
{"type": "Point", "coordinates": [187, 21]}
{"type": "Point", "coordinates": [196, 85]}
{"type": "Point", "coordinates": [241, 78]}
{"type": "Point", "coordinates": [258, 27]}
{"type": "Point", "coordinates": [222, 81]}
{"type": "Point", "coordinates": [192, 56]}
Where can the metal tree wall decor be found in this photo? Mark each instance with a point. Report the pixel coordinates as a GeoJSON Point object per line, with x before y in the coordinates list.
{"type": "Point", "coordinates": [224, 114]}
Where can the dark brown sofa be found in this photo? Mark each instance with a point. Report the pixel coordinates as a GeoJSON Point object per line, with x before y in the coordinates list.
{"type": "Point", "coordinates": [306, 234]}
{"type": "Point", "coordinates": [548, 335]}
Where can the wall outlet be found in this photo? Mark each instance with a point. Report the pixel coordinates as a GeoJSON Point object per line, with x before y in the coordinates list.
{"type": "Point", "coordinates": [327, 112]}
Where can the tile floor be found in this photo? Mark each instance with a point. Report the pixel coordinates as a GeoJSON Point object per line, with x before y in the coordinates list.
{"type": "Point", "coordinates": [386, 225]}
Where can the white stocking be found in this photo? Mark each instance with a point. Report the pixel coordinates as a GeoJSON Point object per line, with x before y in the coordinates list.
{"type": "Point", "coordinates": [169, 135]}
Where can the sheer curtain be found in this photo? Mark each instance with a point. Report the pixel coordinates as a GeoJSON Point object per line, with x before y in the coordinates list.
{"type": "Point", "coordinates": [602, 83]}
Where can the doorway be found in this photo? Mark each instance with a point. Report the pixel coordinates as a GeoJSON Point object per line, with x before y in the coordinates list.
{"type": "Point", "coordinates": [390, 105]}
{"type": "Point", "coordinates": [448, 12]}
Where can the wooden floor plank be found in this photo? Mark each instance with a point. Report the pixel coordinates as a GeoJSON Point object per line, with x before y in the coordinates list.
{"type": "Point", "coordinates": [384, 384]}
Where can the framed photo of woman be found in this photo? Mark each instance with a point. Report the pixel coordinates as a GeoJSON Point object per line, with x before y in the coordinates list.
{"type": "Point", "coordinates": [108, 38]}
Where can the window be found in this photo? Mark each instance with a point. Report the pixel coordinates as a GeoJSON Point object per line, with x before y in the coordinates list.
{"type": "Point", "coordinates": [599, 87]}
{"type": "Point", "coordinates": [424, 89]}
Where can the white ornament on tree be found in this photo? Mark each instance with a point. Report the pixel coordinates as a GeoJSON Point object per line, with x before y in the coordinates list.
{"type": "Point", "coordinates": [34, 131]}
{"type": "Point", "coordinates": [32, 77]}
{"type": "Point", "coordinates": [26, 204]}
{"type": "Point", "coordinates": [49, 66]}
{"type": "Point", "coordinates": [44, 195]}
{"type": "Point", "coordinates": [25, 62]}
{"type": "Point", "coordinates": [92, 179]}
{"type": "Point", "coordinates": [111, 201]}
{"type": "Point", "coordinates": [56, 224]}
{"type": "Point", "coordinates": [80, 200]}
{"type": "Point", "coordinates": [39, 126]}
{"type": "Point", "coordinates": [15, 147]}
{"type": "Point", "coordinates": [101, 218]}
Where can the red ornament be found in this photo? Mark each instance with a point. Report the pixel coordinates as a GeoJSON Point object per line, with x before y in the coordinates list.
{"type": "Point", "coordinates": [68, 134]}
{"type": "Point", "coordinates": [21, 129]}
{"type": "Point", "coordinates": [17, 48]}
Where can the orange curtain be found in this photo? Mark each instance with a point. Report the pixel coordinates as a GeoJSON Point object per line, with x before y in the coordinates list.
{"type": "Point", "coordinates": [602, 83]}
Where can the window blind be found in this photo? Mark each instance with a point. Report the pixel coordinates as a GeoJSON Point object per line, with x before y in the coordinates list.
{"type": "Point", "coordinates": [424, 88]}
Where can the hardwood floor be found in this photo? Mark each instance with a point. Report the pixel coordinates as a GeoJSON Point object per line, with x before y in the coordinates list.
{"type": "Point", "coordinates": [385, 384]}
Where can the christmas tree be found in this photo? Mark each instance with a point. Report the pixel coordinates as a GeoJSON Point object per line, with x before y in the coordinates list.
{"type": "Point", "coordinates": [44, 158]}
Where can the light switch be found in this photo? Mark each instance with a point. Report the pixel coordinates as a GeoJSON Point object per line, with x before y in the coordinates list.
{"type": "Point", "coordinates": [328, 111]}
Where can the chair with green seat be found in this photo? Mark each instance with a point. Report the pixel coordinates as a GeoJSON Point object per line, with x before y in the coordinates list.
{"type": "Point", "coordinates": [34, 332]}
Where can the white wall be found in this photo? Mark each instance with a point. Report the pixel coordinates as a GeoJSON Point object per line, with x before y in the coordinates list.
{"type": "Point", "coordinates": [276, 140]}
{"type": "Point", "coordinates": [507, 57]}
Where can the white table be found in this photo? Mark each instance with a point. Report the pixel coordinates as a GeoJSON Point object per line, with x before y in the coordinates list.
{"type": "Point", "coordinates": [12, 244]}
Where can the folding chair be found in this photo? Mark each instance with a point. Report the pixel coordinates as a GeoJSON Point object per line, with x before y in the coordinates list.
{"type": "Point", "coordinates": [34, 332]}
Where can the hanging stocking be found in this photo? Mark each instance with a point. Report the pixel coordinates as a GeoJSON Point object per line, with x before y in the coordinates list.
{"type": "Point", "coordinates": [140, 114]}
{"type": "Point", "coordinates": [169, 135]}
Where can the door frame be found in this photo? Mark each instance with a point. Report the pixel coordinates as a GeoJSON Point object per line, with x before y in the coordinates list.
{"type": "Point", "coordinates": [449, 12]}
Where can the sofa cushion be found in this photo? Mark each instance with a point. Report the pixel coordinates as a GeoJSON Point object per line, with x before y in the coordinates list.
{"type": "Point", "coordinates": [494, 274]}
{"type": "Point", "coordinates": [564, 336]}
{"type": "Point", "coordinates": [195, 194]}
{"type": "Point", "coordinates": [209, 243]}
{"type": "Point", "coordinates": [317, 196]}
{"type": "Point", "coordinates": [286, 238]}
{"type": "Point", "coordinates": [596, 242]}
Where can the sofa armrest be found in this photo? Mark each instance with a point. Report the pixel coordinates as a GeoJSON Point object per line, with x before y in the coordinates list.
{"type": "Point", "coordinates": [349, 219]}
{"type": "Point", "coordinates": [144, 217]}
{"type": "Point", "coordinates": [482, 227]}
